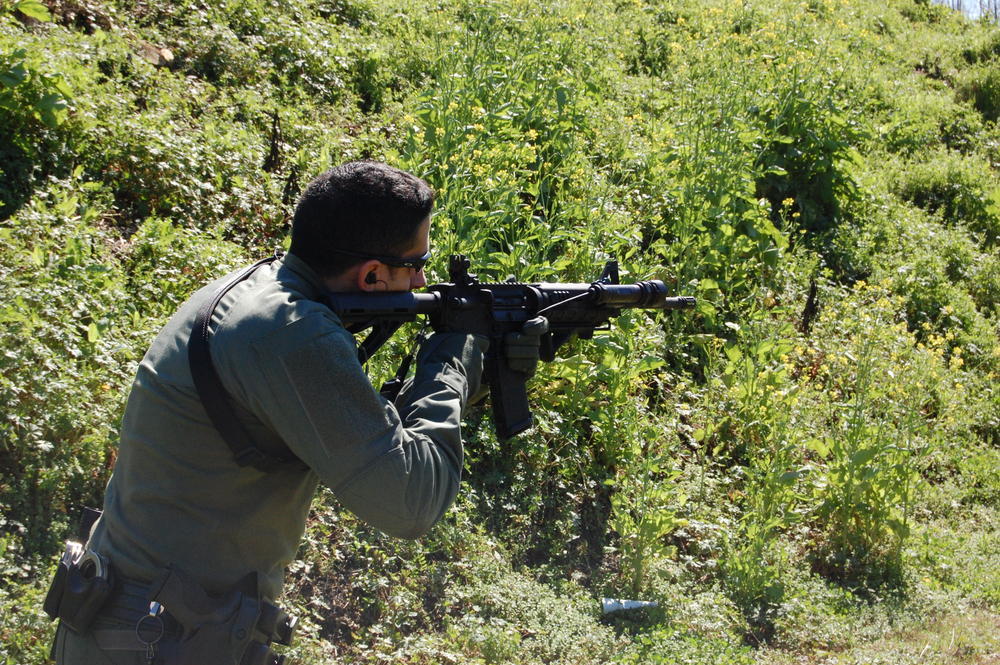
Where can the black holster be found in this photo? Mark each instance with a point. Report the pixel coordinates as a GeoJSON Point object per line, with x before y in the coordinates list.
{"type": "Point", "coordinates": [236, 628]}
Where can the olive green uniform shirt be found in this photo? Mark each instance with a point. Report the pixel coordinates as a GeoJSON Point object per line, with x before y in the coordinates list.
{"type": "Point", "coordinates": [178, 497]}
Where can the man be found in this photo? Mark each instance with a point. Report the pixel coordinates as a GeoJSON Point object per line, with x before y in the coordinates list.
{"type": "Point", "coordinates": [184, 523]}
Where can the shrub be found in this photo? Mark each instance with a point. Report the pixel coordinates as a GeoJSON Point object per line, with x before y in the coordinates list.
{"type": "Point", "coordinates": [924, 11]}
{"type": "Point", "coordinates": [981, 85]}
{"type": "Point", "coordinates": [926, 119]}
{"type": "Point", "coordinates": [65, 383]}
{"type": "Point", "coordinates": [808, 159]}
{"type": "Point", "coordinates": [34, 106]}
{"type": "Point", "coordinates": [959, 189]}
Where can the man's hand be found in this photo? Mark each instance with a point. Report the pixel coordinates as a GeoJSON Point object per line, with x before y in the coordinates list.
{"type": "Point", "coordinates": [521, 348]}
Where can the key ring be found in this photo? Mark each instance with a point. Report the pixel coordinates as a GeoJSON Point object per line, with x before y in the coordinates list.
{"type": "Point", "coordinates": [151, 621]}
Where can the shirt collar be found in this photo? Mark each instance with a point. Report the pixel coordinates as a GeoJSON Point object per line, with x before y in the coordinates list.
{"type": "Point", "coordinates": [302, 270]}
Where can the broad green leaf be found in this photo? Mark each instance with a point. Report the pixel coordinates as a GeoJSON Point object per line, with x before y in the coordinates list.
{"type": "Point", "coordinates": [707, 284]}
{"type": "Point", "coordinates": [51, 102]}
{"type": "Point", "coordinates": [33, 8]}
{"type": "Point", "coordinates": [788, 478]}
{"type": "Point", "coordinates": [14, 76]}
{"type": "Point", "coordinates": [863, 456]}
{"type": "Point", "coordinates": [818, 446]}
{"type": "Point", "coordinates": [648, 363]}
{"type": "Point", "coordinates": [900, 528]}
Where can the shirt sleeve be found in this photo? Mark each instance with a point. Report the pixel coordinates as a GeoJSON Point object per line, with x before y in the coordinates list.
{"type": "Point", "coordinates": [396, 466]}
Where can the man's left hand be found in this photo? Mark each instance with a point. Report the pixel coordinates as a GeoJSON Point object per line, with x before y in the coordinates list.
{"type": "Point", "coordinates": [521, 348]}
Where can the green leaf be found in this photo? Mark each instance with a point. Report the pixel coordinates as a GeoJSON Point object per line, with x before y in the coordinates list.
{"type": "Point", "coordinates": [771, 257]}
{"type": "Point", "coordinates": [788, 478]}
{"type": "Point", "coordinates": [900, 528]}
{"type": "Point", "coordinates": [863, 456]}
{"type": "Point", "coordinates": [51, 102]}
{"type": "Point", "coordinates": [33, 8]}
{"type": "Point", "coordinates": [14, 76]}
{"type": "Point", "coordinates": [818, 446]}
{"type": "Point", "coordinates": [648, 363]}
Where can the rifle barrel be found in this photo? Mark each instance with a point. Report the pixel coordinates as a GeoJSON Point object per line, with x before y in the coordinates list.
{"type": "Point", "coordinates": [650, 294]}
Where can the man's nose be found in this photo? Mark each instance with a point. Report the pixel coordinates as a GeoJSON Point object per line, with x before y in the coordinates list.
{"type": "Point", "coordinates": [419, 280]}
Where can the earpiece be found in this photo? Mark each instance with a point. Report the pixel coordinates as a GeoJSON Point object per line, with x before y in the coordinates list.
{"type": "Point", "coordinates": [371, 278]}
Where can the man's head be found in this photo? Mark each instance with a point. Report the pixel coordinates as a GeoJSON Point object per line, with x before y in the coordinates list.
{"type": "Point", "coordinates": [355, 214]}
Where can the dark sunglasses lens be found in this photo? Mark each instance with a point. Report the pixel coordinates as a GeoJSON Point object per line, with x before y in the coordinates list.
{"type": "Point", "coordinates": [419, 262]}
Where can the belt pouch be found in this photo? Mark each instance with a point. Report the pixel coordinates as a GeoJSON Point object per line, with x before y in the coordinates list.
{"type": "Point", "coordinates": [81, 586]}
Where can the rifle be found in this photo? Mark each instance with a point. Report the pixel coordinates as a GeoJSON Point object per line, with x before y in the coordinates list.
{"type": "Point", "coordinates": [467, 305]}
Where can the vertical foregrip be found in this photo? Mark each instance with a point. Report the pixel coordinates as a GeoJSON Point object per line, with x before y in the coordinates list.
{"type": "Point", "coordinates": [509, 397]}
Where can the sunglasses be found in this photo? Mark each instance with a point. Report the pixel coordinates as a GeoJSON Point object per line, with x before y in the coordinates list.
{"type": "Point", "coordinates": [416, 262]}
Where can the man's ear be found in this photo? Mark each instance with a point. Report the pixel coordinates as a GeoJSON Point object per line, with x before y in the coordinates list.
{"type": "Point", "coordinates": [368, 276]}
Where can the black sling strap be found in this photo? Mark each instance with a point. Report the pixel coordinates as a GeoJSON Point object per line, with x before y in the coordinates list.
{"type": "Point", "coordinates": [213, 394]}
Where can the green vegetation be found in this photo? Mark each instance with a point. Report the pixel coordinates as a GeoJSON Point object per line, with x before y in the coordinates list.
{"type": "Point", "coordinates": [807, 464]}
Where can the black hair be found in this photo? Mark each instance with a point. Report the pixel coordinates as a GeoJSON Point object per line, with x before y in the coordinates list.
{"type": "Point", "coordinates": [360, 207]}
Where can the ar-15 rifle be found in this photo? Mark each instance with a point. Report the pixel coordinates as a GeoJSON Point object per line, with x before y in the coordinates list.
{"type": "Point", "coordinates": [494, 310]}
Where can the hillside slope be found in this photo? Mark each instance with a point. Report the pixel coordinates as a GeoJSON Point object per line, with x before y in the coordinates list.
{"type": "Point", "coordinates": [807, 463]}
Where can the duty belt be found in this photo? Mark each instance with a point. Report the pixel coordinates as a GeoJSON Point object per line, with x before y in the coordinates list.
{"type": "Point", "coordinates": [130, 605]}
{"type": "Point", "coordinates": [182, 631]}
